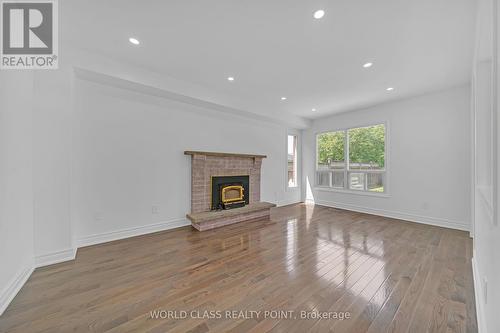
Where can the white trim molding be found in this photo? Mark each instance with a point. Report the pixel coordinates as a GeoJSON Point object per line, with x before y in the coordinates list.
{"type": "Point", "coordinates": [115, 81]}
{"type": "Point", "coordinates": [8, 294]}
{"type": "Point", "coordinates": [440, 222]}
{"type": "Point", "coordinates": [131, 232]}
{"type": "Point", "coordinates": [55, 257]}
{"type": "Point", "coordinates": [479, 296]}
{"type": "Point", "coordinates": [354, 192]}
{"type": "Point", "coordinates": [287, 202]}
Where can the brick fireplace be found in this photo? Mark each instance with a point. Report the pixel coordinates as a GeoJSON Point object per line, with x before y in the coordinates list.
{"type": "Point", "coordinates": [205, 166]}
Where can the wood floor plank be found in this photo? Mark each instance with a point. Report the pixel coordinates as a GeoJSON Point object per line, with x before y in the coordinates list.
{"type": "Point", "coordinates": [390, 275]}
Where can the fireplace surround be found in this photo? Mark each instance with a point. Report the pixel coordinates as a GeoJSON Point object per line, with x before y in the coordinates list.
{"type": "Point", "coordinates": [207, 165]}
{"type": "Point", "coordinates": [225, 189]}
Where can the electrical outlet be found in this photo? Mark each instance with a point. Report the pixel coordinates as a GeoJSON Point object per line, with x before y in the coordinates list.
{"type": "Point", "coordinates": [155, 209]}
{"type": "Point", "coordinates": [485, 290]}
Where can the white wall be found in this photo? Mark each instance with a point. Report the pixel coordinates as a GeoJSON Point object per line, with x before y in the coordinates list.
{"type": "Point", "coordinates": [51, 154]}
{"type": "Point", "coordinates": [486, 97]}
{"type": "Point", "coordinates": [16, 192]}
{"type": "Point", "coordinates": [429, 159]}
{"type": "Point", "coordinates": [128, 156]}
{"type": "Point", "coordinates": [54, 105]}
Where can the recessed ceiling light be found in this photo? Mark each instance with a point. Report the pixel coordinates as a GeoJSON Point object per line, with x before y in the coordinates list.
{"type": "Point", "coordinates": [283, 98]}
{"type": "Point", "coordinates": [313, 109]}
{"type": "Point", "coordinates": [319, 14]}
{"type": "Point", "coordinates": [390, 89]}
{"type": "Point", "coordinates": [134, 41]}
{"type": "Point", "coordinates": [230, 78]}
{"type": "Point", "coordinates": [368, 65]}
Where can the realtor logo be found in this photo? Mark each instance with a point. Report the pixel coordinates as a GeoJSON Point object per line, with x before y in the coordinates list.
{"type": "Point", "coordinates": [29, 34]}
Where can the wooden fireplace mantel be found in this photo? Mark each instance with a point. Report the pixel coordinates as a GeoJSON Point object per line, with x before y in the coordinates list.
{"type": "Point", "coordinates": [211, 153]}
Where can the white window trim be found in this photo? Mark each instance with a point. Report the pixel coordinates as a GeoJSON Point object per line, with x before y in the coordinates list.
{"type": "Point", "coordinates": [346, 190]}
{"type": "Point", "coordinates": [298, 174]}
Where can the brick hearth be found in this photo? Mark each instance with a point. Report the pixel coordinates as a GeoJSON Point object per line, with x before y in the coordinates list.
{"type": "Point", "coordinates": [214, 219]}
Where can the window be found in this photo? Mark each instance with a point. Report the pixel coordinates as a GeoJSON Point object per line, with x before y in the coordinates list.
{"type": "Point", "coordinates": [352, 159]}
{"type": "Point", "coordinates": [292, 160]}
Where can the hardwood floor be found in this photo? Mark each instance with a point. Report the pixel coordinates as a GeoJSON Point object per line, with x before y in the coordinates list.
{"type": "Point", "coordinates": [389, 275]}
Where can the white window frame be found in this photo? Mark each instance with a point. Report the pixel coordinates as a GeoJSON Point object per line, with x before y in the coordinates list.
{"type": "Point", "coordinates": [297, 175]}
{"type": "Point", "coordinates": [346, 170]}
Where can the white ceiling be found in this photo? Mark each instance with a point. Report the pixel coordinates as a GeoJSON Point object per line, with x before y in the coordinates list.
{"type": "Point", "coordinates": [275, 48]}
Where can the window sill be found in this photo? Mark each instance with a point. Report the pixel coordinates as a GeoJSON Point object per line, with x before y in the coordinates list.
{"type": "Point", "coordinates": [336, 190]}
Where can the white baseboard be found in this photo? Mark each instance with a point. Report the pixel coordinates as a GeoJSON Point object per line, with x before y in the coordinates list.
{"type": "Point", "coordinates": [287, 202]}
{"type": "Point", "coordinates": [55, 257]}
{"type": "Point", "coordinates": [8, 294]}
{"type": "Point", "coordinates": [130, 232]}
{"type": "Point", "coordinates": [13, 288]}
{"type": "Point", "coordinates": [479, 295]}
{"type": "Point", "coordinates": [440, 222]}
